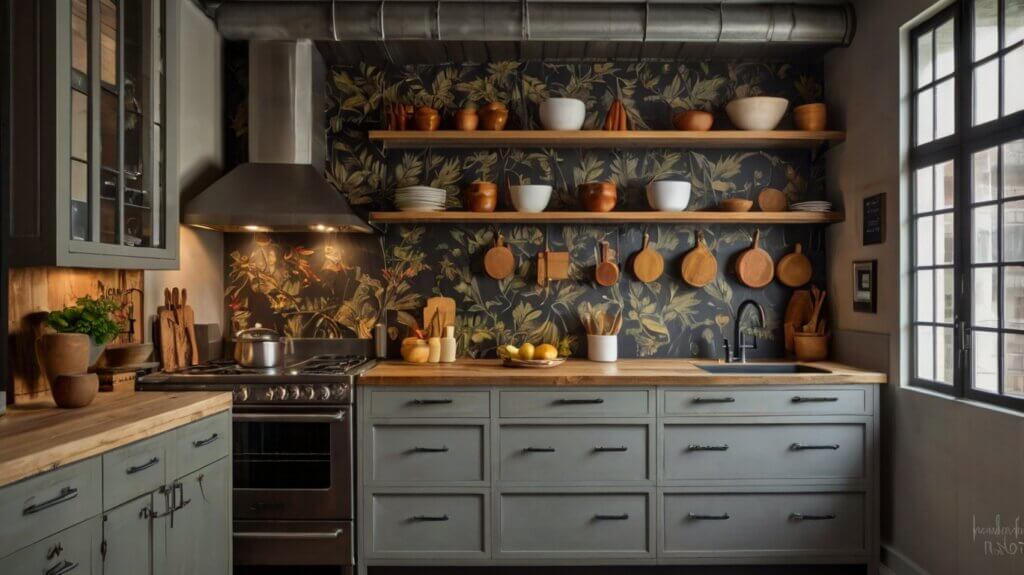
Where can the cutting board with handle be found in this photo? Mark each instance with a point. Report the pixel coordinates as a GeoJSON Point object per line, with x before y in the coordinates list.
{"type": "Point", "coordinates": [445, 309]}
{"type": "Point", "coordinates": [168, 334]}
{"type": "Point", "coordinates": [798, 312]}
{"type": "Point", "coordinates": [188, 319]}
{"type": "Point", "coordinates": [699, 266]}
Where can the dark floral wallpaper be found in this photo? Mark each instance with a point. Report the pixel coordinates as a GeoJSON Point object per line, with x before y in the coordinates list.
{"type": "Point", "coordinates": [336, 285]}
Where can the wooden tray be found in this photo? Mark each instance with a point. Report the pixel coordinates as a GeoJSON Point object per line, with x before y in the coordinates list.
{"type": "Point", "coordinates": [509, 362]}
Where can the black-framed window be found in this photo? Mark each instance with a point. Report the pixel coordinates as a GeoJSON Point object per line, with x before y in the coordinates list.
{"type": "Point", "coordinates": [967, 201]}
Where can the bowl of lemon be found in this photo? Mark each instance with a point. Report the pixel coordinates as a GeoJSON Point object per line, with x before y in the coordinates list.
{"type": "Point", "coordinates": [529, 355]}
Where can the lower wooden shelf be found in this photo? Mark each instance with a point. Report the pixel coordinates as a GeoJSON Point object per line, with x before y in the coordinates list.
{"type": "Point", "coordinates": [688, 217]}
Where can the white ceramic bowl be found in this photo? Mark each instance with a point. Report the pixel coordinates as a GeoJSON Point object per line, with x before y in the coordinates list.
{"type": "Point", "coordinates": [757, 112]}
{"type": "Point", "coordinates": [531, 198]}
{"type": "Point", "coordinates": [668, 195]}
{"type": "Point", "coordinates": [562, 114]}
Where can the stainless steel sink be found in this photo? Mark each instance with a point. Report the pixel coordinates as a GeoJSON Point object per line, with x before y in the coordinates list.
{"type": "Point", "coordinates": [757, 368]}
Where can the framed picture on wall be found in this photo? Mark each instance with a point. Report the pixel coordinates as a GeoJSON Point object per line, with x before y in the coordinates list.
{"type": "Point", "coordinates": [865, 286]}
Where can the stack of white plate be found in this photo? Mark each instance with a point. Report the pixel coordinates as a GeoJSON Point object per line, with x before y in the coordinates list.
{"type": "Point", "coordinates": [420, 199]}
{"type": "Point", "coordinates": [811, 206]}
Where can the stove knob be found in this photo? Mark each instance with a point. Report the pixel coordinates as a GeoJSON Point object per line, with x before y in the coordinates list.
{"type": "Point", "coordinates": [309, 392]}
{"type": "Point", "coordinates": [293, 392]}
{"type": "Point", "coordinates": [325, 393]}
{"type": "Point", "coordinates": [241, 394]}
{"type": "Point", "coordinates": [269, 393]}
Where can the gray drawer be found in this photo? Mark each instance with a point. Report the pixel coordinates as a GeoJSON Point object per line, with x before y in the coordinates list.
{"type": "Point", "coordinates": [722, 524]}
{"type": "Point", "coordinates": [134, 469]}
{"type": "Point", "coordinates": [428, 453]}
{"type": "Point", "coordinates": [201, 443]}
{"type": "Point", "coordinates": [577, 453]}
{"type": "Point", "coordinates": [75, 551]}
{"type": "Point", "coordinates": [412, 403]}
{"type": "Point", "coordinates": [594, 402]}
{"type": "Point", "coordinates": [574, 525]}
{"type": "Point", "coordinates": [733, 401]}
{"type": "Point", "coordinates": [48, 503]}
{"type": "Point", "coordinates": [739, 451]}
{"type": "Point", "coordinates": [420, 525]}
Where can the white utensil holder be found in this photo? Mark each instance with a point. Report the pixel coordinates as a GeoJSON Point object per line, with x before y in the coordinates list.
{"type": "Point", "coordinates": [602, 347]}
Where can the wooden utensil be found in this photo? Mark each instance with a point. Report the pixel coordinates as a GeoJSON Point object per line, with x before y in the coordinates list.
{"type": "Point", "coordinates": [772, 200]}
{"type": "Point", "coordinates": [812, 324]}
{"type": "Point", "coordinates": [607, 272]}
{"type": "Point", "coordinates": [754, 266]}
{"type": "Point", "coordinates": [794, 269]}
{"type": "Point", "coordinates": [798, 313]}
{"type": "Point", "coordinates": [499, 263]}
{"type": "Point", "coordinates": [699, 265]}
{"type": "Point", "coordinates": [444, 308]}
{"type": "Point", "coordinates": [647, 263]}
{"type": "Point", "coordinates": [180, 339]}
{"type": "Point", "coordinates": [188, 316]}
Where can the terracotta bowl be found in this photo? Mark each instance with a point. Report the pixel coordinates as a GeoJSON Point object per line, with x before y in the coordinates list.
{"type": "Point", "coordinates": [72, 391]}
{"type": "Point", "coordinates": [467, 120]}
{"type": "Point", "coordinates": [810, 117]}
{"type": "Point", "coordinates": [427, 119]}
{"type": "Point", "coordinates": [693, 121]}
{"type": "Point", "coordinates": [598, 196]}
{"type": "Point", "coordinates": [493, 116]}
{"type": "Point", "coordinates": [735, 205]}
{"type": "Point", "coordinates": [482, 197]}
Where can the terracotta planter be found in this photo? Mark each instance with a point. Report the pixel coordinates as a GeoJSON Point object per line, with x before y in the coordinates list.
{"type": "Point", "coordinates": [598, 196]}
{"type": "Point", "coordinates": [64, 353]}
{"type": "Point", "coordinates": [810, 117]}
{"type": "Point", "coordinates": [467, 119]}
{"type": "Point", "coordinates": [493, 116]}
{"type": "Point", "coordinates": [482, 197]}
{"type": "Point", "coordinates": [427, 119]}
{"type": "Point", "coordinates": [693, 121]}
{"type": "Point", "coordinates": [72, 391]}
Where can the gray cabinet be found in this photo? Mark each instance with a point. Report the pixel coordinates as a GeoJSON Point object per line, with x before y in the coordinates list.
{"type": "Point", "coordinates": [199, 530]}
{"type": "Point", "coordinates": [75, 551]}
{"type": "Point", "coordinates": [94, 116]}
{"type": "Point", "coordinates": [133, 535]}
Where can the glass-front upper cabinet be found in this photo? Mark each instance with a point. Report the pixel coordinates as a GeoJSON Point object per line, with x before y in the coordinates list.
{"type": "Point", "coordinates": [98, 94]}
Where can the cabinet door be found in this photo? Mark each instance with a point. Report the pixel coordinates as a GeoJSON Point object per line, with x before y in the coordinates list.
{"type": "Point", "coordinates": [199, 531]}
{"type": "Point", "coordinates": [130, 536]}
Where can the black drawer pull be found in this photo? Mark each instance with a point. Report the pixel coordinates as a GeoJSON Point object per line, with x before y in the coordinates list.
{"type": "Point", "coordinates": [538, 450]}
{"type": "Point", "coordinates": [66, 494]}
{"type": "Point", "coordinates": [714, 400]}
{"type": "Point", "coordinates": [805, 517]}
{"type": "Point", "coordinates": [698, 447]}
{"type": "Point", "coordinates": [567, 401]}
{"type": "Point", "coordinates": [429, 517]}
{"type": "Point", "coordinates": [442, 449]}
{"type": "Point", "coordinates": [706, 517]}
{"type": "Point", "coordinates": [603, 448]}
{"type": "Point", "coordinates": [803, 399]}
{"type": "Point", "coordinates": [205, 442]}
{"type": "Point", "coordinates": [804, 447]}
{"type": "Point", "coordinates": [620, 517]}
{"type": "Point", "coordinates": [440, 401]}
{"type": "Point", "coordinates": [64, 566]}
{"type": "Point", "coordinates": [137, 468]}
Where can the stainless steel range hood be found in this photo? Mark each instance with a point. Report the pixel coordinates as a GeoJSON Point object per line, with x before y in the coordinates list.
{"type": "Point", "coordinates": [283, 187]}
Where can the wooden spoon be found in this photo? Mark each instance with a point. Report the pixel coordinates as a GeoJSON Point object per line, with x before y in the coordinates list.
{"type": "Point", "coordinates": [794, 269]}
{"type": "Point", "coordinates": [606, 273]}
{"type": "Point", "coordinates": [699, 265]}
{"type": "Point", "coordinates": [754, 266]}
{"type": "Point", "coordinates": [499, 263]}
{"type": "Point", "coordinates": [812, 324]}
{"type": "Point", "coordinates": [647, 263]}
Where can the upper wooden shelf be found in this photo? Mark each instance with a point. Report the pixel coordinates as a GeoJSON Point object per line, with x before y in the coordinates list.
{"type": "Point", "coordinates": [603, 139]}
{"type": "Point", "coordinates": [693, 217]}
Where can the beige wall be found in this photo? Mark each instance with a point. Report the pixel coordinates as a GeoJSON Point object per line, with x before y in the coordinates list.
{"type": "Point", "coordinates": [201, 161]}
{"type": "Point", "coordinates": [946, 464]}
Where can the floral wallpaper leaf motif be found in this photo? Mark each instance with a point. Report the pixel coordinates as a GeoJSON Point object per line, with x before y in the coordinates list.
{"type": "Point", "coordinates": [339, 285]}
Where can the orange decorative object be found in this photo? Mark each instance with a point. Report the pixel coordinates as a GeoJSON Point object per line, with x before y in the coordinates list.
{"type": "Point", "coordinates": [810, 117]}
{"type": "Point", "coordinates": [482, 197]}
{"type": "Point", "coordinates": [598, 196]}
{"type": "Point", "coordinates": [396, 116]}
{"type": "Point", "coordinates": [467, 120]}
{"type": "Point", "coordinates": [617, 118]}
{"type": "Point", "coordinates": [693, 121]}
{"type": "Point", "coordinates": [493, 116]}
{"type": "Point", "coordinates": [427, 119]}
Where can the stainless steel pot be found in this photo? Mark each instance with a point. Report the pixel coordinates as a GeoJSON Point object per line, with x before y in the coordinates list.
{"type": "Point", "coordinates": [259, 347]}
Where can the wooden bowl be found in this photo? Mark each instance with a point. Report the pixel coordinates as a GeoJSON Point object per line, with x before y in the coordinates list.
{"type": "Point", "coordinates": [598, 196]}
{"type": "Point", "coordinates": [120, 355]}
{"type": "Point", "coordinates": [482, 197]}
{"type": "Point", "coordinates": [467, 120]}
{"type": "Point", "coordinates": [693, 121]}
{"type": "Point", "coordinates": [72, 391]}
{"type": "Point", "coordinates": [810, 117]}
{"type": "Point", "coordinates": [810, 346]}
{"type": "Point", "coordinates": [735, 205]}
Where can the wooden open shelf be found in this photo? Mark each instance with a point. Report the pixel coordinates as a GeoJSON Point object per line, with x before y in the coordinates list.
{"type": "Point", "coordinates": [693, 217]}
{"type": "Point", "coordinates": [603, 139]}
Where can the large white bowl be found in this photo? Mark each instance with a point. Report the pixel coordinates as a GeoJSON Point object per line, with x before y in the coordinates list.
{"type": "Point", "coordinates": [757, 112]}
{"type": "Point", "coordinates": [562, 114]}
{"type": "Point", "coordinates": [668, 195]}
{"type": "Point", "coordinates": [531, 198]}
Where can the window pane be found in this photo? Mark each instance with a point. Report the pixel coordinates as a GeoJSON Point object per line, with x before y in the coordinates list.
{"type": "Point", "coordinates": [925, 241]}
{"type": "Point", "coordinates": [945, 120]}
{"type": "Point", "coordinates": [79, 200]}
{"type": "Point", "coordinates": [925, 296]}
{"type": "Point", "coordinates": [925, 101]}
{"type": "Point", "coordinates": [1013, 286]}
{"type": "Point", "coordinates": [1013, 22]}
{"type": "Point", "coordinates": [1013, 88]}
{"type": "Point", "coordinates": [986, 297]}
{"type": "Point", "coordinates": [945, 311]}
{"type": "Point", "coordinates": [79, 125]}
{"type": "Point", "coordinates": [944, 185]}
{"type": "Point", "coordinates": [944, 239]}
{"type": "Point", "coordinates": [1013, 231]}
{"type": "Point", "coordinates": [985, 164]}
{"type": "Point", "coordinates": [986, 31]}
{"type": "Point", "coordinates": [108, 42]}
{"type": "Point", "coordinates": [1013, 364]}
{"type": "Point", "coordinates": [80, 35]}
{"type": "Point", "coordinates": [945, 60]}
{"type": "Point", "coordinates": [924, 59]}
{"type": "Point", "coordinates": [945, 355]}
{"type": "Point", "coordinates": [985, 234]}
{"type": "Point", "coordinates": [1013, 169]}
{"type": "Point", "coordinates": [924, 191]}
{"type": "Point", "coordinates": [925, 352]}
{"type": "Point", "coordinates": [986, 92]}
{"type": "Point", "coordinates": [986, 360]}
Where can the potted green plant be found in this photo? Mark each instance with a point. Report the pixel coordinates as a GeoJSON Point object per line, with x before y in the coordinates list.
{"type": "Point", "coordinates": [82, 332]}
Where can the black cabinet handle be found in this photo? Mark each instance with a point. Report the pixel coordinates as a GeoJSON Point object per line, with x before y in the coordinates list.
{"type": "Point", "coordinates": [699, 447]}
{"type": "Point", "coordinates": [603, 448]}
{"type": "Point", "coordinates": [205, 442]}
{"type": "Point", "coordinates": [137, 468]}
{"type": "Point", "coordinates": [706, 517]}
{"type": "Point", "coordinates": [538, 450]}
{"type": "Point", "coordinates": [442, 449]}
{"type": "Point", "coordinates": [441, 401]}
{"type": "Point", "coordinates": [66, 494]}
{"type": "Point", "coordinates": [620, 517]}
{"type": "Point", "coordinates": [804, 447]}
{"type": "Point", "coordinates": [714, 400]}
{"type": "Point", "coordinates": [64, 566]}
{"type": "Point", "coordinates": [429, 517]}
{"type": "Point", "coordinates": [804, 399]}
{"type": "Point", "coordinates": [567, 401]}
{"type": "Point", "coordinates": [805, 517]}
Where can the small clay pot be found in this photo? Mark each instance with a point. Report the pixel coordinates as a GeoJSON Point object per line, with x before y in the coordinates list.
{"type": "Point", "coordinates": [74, 390]}
{"type": "Point", "coordinates": [482, 197]}
{"type": "Point", "coordinates": [810, 117]}
{"type": "Point", "coordinates": [598, 196]}
{"type": "Point", "coordinates": [493, 116]}
{"type": "Point", "coordinates": [427, 119]}
{"type": "Point", "coordinates": [467, 119]}
{"type": "Point", "coordinates": [63, 353]}
{"type": "Point", "coordinates": [693, 121]}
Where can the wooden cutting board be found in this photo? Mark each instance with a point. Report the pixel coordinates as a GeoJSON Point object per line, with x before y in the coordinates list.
{"type": "Point", "coordinates": [647, 263]}
{"type": "Point", "coordinates": [188, 319]}
{"type": "Point", "coordinates": [699, 266]}
{"type": "Point", "coordinates": [445, 308]}
{"type": "Point", "coordinates": [798, 312]}
{"type": "Point", "coordinates": [754, 266]}
{"type": "Point", "coordinates": [168, 338]}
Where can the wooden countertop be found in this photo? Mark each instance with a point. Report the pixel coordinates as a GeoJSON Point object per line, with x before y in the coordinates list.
{"type": "Point", "coordinates": [579, 372]}
{"type": "Point", "coordinates": [38, 436]}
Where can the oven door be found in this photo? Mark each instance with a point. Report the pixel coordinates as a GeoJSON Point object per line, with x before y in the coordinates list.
{"type": "Point", "coordinates": [289, 547]}
{"type": "Point", "coordinates": [292, 462]}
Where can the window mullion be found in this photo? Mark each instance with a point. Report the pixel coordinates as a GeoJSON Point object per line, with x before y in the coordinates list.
{"type": "Point", "coordinates": [962, 282]}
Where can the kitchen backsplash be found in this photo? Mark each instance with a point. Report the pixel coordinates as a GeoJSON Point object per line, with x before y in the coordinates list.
{"type": "Point", "coordinates": [336, 285]}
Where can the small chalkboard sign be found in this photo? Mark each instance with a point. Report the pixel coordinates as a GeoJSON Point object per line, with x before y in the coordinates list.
{"type": "Point", "coordinates": [874, 219]}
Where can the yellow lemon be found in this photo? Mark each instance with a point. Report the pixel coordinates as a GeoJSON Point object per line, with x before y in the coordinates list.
{"type": "Point", "coordinates": [526, 351]}
{"type": "Point", "coordinates": [545, 351]}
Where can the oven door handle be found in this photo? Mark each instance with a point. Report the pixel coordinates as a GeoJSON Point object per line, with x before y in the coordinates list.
{"type": "Point", "coordinates": [289, 535]}
{"type": "Point", "coordinates": [299, 417]}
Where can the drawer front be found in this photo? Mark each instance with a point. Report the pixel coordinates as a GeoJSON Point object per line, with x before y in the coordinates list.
{"type": "Point", "coordinates": [575, 403]}
{"type": "Point", "coordinates": [199, 444]}
{"type": "Point", "coordinates": [428, 453]}
{"type": "Point", "coordinates": [718, 524]}
{"type": "Point", "coordinates": [45, 504]}
{"type": "Point", "coordinates": [574, 453]}
{"type": "Point", "coordinates": [764, 451]}
{"type": "Point", "coordinates": [427, 525]}
{"type": "Point", "coordinates": [732, 401]}
{"type": "Point", "coordinates": [134, 469]}
{"type": "Point", "coordinates": [75, 551]}
{"type": "Point", "coordinates": [574, 524]}
{"type": "Point", "coordinates": [412, 403]}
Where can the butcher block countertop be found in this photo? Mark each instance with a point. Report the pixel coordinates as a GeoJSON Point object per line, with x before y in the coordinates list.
{"type": "Point", "coordinates": [38, 436]}
{"type": "Point", "coordinates": [579, 372]}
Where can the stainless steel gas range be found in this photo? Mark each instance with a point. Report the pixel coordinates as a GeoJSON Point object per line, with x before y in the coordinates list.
{"type": "Point", "coordinates": [292, 456]}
